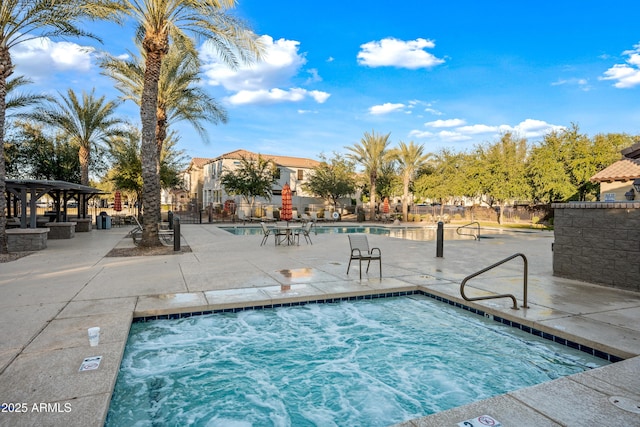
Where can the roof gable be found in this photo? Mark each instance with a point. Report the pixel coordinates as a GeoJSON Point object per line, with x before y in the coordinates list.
{"type": "Point", "coordinates": [622, 170]}
{"type": "Point", "coordinates": [286, 161]}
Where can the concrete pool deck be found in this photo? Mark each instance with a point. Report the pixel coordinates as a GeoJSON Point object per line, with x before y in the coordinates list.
{"type": "Point", "coordinates": [49, 299]}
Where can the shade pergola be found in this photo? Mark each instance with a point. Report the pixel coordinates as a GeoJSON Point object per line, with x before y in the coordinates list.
{"type": "Point", "coordinates": [25, 194]}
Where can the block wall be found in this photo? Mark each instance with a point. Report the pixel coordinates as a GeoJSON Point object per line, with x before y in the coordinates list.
{"type": "Point", "coordinates": [598, 243]}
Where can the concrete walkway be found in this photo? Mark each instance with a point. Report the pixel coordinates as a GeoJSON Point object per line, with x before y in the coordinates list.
{"type": "Point", "coordinates": [50, 298]}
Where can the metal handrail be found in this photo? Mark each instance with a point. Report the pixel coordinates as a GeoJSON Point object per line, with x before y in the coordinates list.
{"type": "Point", "coordinates": [484, 270]}
{"type": "Point", "coordinates": [475, 236]}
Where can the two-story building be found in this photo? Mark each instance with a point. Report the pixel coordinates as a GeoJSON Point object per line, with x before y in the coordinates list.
{"type": "Point", "coordinates": [292, 170]}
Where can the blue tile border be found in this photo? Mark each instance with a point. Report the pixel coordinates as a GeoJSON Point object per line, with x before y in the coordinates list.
{"type": "Point", "coordinates": [559, 340]}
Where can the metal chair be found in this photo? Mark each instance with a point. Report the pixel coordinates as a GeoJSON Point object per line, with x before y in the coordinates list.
{"type": "Point", "coordinates": [360, 251]}
{"type": "Point", "coordinates": [305, 230]}
{"type": "Point", "coordinates": [267, 233]}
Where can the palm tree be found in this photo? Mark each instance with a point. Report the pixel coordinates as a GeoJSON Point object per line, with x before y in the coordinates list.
{"type": "Point", "coordinates": [16, 100]}
{"type": "Point", "coordinates": [86, 123]}
{"type": "Point", "coordinates": [371, 152]}
{"type": "Point", "coordinates": [24, 20]}
{"type": "Point", "coordinates": [179, 98]}
{"type": "Point", "coordinates": [410, 159]}
{"type": "Point", "coordinates": [159, 23]}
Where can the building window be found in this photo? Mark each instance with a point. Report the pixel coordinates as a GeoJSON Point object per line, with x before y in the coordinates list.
{"type": "Point", "coordinates": [300, 175]}
{"type": "Point", "coordinates": [277, 173]}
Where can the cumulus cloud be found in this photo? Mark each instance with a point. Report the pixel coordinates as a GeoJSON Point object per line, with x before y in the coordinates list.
{"type": "Point", "coordinates": [40, 57]}
{"type": "Point", "coordinates": [391, 52]}
{"type": "Point", "coordinates": [385, 108]}
{"type": "Point", "coordinates": [276, 95]}
{"type": "Point", "coordinates": [445, 123]}
{"type": "Point", "coordinates": [267, 81]}
{"type": "Point", "coordinates": [529, 128]}
{"type": "Point", "coordinates": [626, 75]}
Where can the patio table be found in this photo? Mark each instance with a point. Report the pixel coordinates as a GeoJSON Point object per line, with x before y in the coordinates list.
{"type": "Point", "coordinates": [284, 233]}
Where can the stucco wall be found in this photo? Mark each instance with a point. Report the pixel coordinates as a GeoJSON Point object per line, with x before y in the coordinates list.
{"type": "Point", "coordinates": [598, 243]}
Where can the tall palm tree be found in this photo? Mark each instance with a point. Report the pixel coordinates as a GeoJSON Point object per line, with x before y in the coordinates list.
{"type": "Point", "coordinates": [159, 23]}
{"type": "Point", "coordinates": [24, 20]}
{"type": "Point", "coordinates": [179, 97]}
{"type": "Point", "coordinates": [86, 123]}
{"type": "Point", "coordinates": [410, 158]}
{"type": "Point", "coordinates": [370, 153]}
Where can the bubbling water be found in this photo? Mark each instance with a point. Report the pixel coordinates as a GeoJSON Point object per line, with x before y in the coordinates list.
{"type": "Point", "coordinates": [373, 363]}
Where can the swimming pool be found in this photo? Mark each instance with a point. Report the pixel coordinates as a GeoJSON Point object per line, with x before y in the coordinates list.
{"type": "Point", "coordinates": [409, 233]}
{"type": "Point", "coordinates": [374, 363]}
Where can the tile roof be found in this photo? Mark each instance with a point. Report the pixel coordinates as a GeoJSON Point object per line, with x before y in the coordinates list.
{"type": "Point", "coordinates": [622, 170]}
{"type": "Point", "coordinates": [296, 162]}
{"type": "Point", "coordinates": [198, 162]}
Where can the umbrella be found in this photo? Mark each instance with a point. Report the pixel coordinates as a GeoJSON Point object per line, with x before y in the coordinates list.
{"type": "Point", "coordinates": [286, 213]}
{"type": "Point", "coordinates": [385, 205]}
{"type": "Point", "coordinates": [117, 202]}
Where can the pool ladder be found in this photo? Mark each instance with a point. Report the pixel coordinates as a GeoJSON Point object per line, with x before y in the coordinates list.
{"type": "Point", "coordinates": [475, 235]}
{"type": "Point", "coordinates": [484, 270]}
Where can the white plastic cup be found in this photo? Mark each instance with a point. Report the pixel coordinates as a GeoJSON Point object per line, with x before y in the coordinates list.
{"type": "Point", "coordinates": [94, 336]}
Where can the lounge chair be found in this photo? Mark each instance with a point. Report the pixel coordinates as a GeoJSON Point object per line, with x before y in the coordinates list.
{"type": "Point", "coordinates": [305, 230]}
{"type": "Point", "coordinates": [267, 233]}
{"type": "Point", "coordinates": [269, 216]}
{"type": "Point", "coordinates": [360, 251]}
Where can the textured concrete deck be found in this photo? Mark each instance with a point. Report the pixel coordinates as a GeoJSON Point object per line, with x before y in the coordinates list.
{"type": "Point", "coordinates": [50, 298]}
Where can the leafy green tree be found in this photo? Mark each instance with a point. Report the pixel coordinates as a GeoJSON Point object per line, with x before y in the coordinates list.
{"type": "Point", "coordinates": [252, 178]}
{"type": "Point", "coordinates": [40, 156]}
{"type": "Point", "coordinates": [547, 170]}
{"type": "Point", "coordinates": [371, 152]}
{"type": "Point", "coordinates": [87, 123]}
{"type": "Point", "coordinates": [443, 178]}
{"type": "Point", "coordinates": [410, 157]}
{"type": "Point", "coordinates": [159, 23]}
{"type": "Point", "coordinates": [332, 179]}
{"type": "Point", "coordinates": [503, 175]}
{"type": "Point", "coordinates": [24, 20]}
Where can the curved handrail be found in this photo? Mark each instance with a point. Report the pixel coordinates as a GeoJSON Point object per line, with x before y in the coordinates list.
{"type": "Point", "coordinates": [484, 270]}
{"type": "Point", "coordinates": [475, 236]}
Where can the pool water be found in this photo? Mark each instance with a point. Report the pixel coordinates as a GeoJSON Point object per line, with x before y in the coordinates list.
{"type": "Point", "coordinates": [368, 362]}
{"type": "Point", "coordinates": [409, 233]}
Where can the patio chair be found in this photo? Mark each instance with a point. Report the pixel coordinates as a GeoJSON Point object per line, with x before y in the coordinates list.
{"type": "Point", "coordinates": [267, 233]}
{"type": "Point", "coordinates": [305, 230]}
{"type": "Point", "coordinates": [360, 251]}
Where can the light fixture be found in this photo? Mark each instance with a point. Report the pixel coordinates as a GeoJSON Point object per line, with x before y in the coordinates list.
{"type": "Point", "coordinates": [630, 195]}
{"type": "Point", "coordinates": [636, 184]}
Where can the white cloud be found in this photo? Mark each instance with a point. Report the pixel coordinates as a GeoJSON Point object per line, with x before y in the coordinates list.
{"type": "Point", "coordinates": [583, 84]}
{"type": "Point", "coordinates": [626, 75]}
{"type": "Point", "coordinates": [280, 63]}
{"type": "Point", "coordinates": [398, 53]}
{"type": "Point", "coordinates": [529, 128]}
{"type": "Point", "coordinates": [276, 95]}
{"type": "Point", "coordinates": [385, 108]}
{"type": "Point", "coordinates": [263, 82]}
{"type": "Point", "coordinates": [40, 57]}
{"type": "Point", "coordinates": [478, 129]}
{"type": "Point", "coordinates": [445, 123]}
{"type": "Point", "coordinates": [420, 133]}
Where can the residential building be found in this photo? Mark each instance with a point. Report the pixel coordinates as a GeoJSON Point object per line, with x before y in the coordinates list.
{"type": "Point", "coordinates": [292, 170]}
{"type": "Point", "coordinates": [617, 180]}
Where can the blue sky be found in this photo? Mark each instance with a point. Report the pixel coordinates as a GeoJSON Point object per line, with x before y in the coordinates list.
{"type": "Point", "coordinates": [444, 74]}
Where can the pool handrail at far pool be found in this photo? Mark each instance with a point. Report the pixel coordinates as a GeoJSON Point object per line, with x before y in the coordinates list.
{"type": "Point", "coordinates": [492, 266]}
{"type": "Point", "coordinates": [476, 236]}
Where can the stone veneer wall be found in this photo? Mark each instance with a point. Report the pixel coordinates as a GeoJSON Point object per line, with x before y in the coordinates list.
{"type": "Point", "coordinates": [598, 243]}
